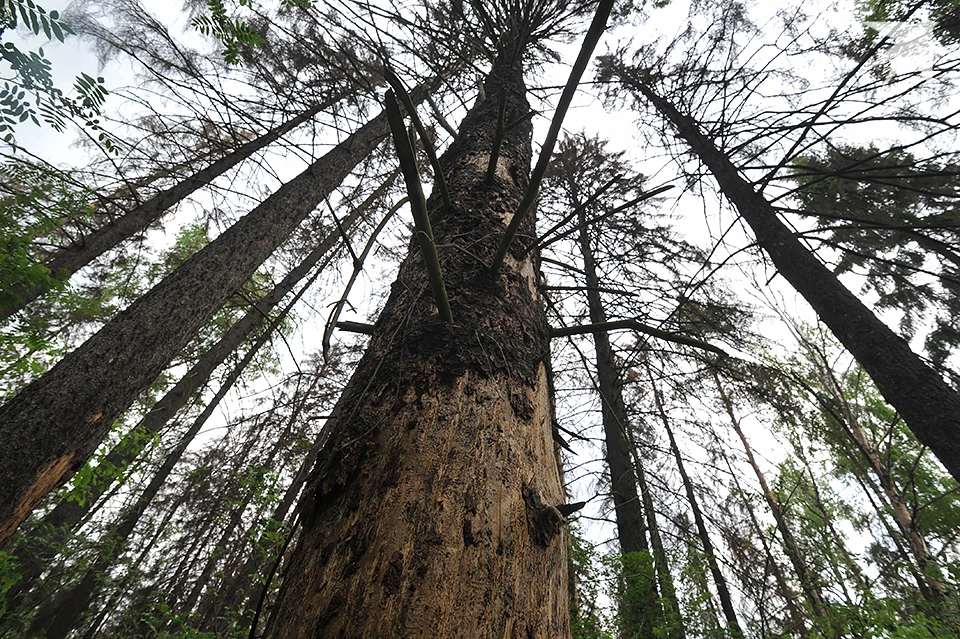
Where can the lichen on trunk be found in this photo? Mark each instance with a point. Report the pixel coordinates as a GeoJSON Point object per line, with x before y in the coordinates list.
{"type": "Point", "coordinates": [421, 519]}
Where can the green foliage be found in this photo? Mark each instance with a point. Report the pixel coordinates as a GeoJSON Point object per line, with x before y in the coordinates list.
{"type": "Point", "coordinates": [234, 33]}
{"type": "Point", "coordinates": [892, 216]}
{"type": "Point", "coordinates": [945, 15]}
{"type": "Point", "coordinates": [8, 577]}
{"type": "Point", "coordinates": [32, 75]}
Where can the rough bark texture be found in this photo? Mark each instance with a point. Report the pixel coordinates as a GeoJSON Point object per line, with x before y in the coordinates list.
{"type": "Point", "coordinates": [70, 259]}
{"type": "Point", "coordinates": [928, 405]}
{"type": "Point", "coordinates": [51, 427]}
{"type": "Point", "coordinates": [426, 513]}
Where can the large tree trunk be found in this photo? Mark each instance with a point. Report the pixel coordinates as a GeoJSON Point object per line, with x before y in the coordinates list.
{"type": "Point", "coordinates": [429, 512]}
{"type": "Point", "coordinates": [52, 426]}
{"type": "Point", "coordinates": [70, 259]}
{"type": "Point", "coordinates": [929, 406]}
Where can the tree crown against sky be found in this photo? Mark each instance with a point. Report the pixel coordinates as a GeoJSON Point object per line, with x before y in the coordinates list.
{"type": "Point", "coordinates": [751, 114]}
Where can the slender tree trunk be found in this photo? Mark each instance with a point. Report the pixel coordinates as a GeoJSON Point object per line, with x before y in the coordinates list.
{"type": "Point", "coordinates": [927, 563]}
{"type": "Point", "coordinates": [640, 606]}
{"type": "Point", "coordinates": [246, 586]}
{"type": "Point", "coordinates": [53, 425]}
{"type": "Point", "coordinates": [134, 570]}
{"type": "Point", "coordinates": [726, 601]}
{"type": "Point", "coordinates": [60, 616]}
{"type": "Point", "coordinates": [429, 510]}
{"type": "Point", "coordinates": [68, 260]}
{"type": "Point", "coordinates": [668, 591]}
{"type": "Point", "coordinates": [68, 514]}
{"type": "Point", "coordinates": [929, 406]}
{"type": "Point", "coordinates": [238, 511]}
{"type": "Point", "coordinates": [797, 617]}
{"type": "Point", "coordinates": [810, 588]}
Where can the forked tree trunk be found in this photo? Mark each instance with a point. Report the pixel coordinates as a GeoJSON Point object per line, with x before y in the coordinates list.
{"type": "Point", "coordinates": [53, 425]}
{"type": "Point", "coordinates": [426, 514]}
{"type": "Point", "coordinates": [929, 406]}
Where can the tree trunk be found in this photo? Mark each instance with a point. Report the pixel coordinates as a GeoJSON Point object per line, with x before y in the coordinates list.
{"type": "Point", "coordinates": [929, 406]}
{"type": "Point", "coordinates": [236, 516]}
{"type": "Point", "coordinates": [639, 608]}
{"type": "Point", "coordinates": [668, 591]}
{"type": "Point", "coordinates": [53, 425]}
{"type": "Point", "coordinates": [797, 618]}
{"type": "Point", "coordinates": [245, 588]}
{"type": "Point", "coordinates": [810, 588]}
{"type": "Point", "coordinates": [60, 616]}
{"type": "Point", "coordinates": [726, 601]}
{"type": "Point", "coordinates": [929, 567]}
{"type": "Point", "coordinates": [70, 259]}
{"type": "Point", "coordinates": [429, 511]}
{"type": "Point", "coordinates": [68, 514]}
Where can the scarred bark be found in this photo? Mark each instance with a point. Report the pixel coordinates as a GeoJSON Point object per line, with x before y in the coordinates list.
{"type": "Point", "coordinates": [426, 514]}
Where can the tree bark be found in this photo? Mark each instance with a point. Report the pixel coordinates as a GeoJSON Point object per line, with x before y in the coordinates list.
{"type": "Point", "coordinates": [53, 425]}
{"type": "Point", "coordinates": [70, 259]}
{"type": "Point", "coordinates": [929, 406]}
{"type": "Point", "coordinates": [428, 513]}
{"type": "Point", "coordinates": [668, 591]}
{"type": "Point", "coordinates": [640, 606]}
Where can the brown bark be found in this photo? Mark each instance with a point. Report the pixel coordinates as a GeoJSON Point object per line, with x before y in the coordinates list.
{"type": "Point", "coordinates": [928, 405]}
{"type": "Point", "coordinates": [68, 260]}
{"type": "Point", "coordinates": [53, 425]}
{"type": "Point", "coordinates": [726, 601]}
{"type": "Point", "coordinates": [810, 588]}
{"type": "Point", "coordinates": [426, 515]}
